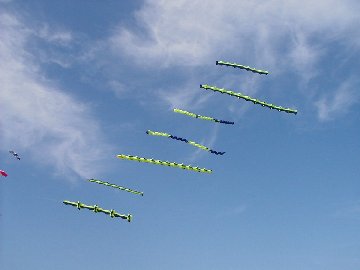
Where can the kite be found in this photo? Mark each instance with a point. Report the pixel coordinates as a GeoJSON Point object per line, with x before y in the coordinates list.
{"type": "Point", "coordinates": [202, 117]}
{"type": "Point", "coordinates": [165, 163]}
{"type": "Point", "coordinates": [14, 154]}
{"type": "Point", "coordinates": [115, 186]}
{"type": "Point", "coordinates": [234, 65]}
{"type": "Point", "coordinates": [247, 98]}
{"type": "Point", "coordinates": [155, 133]}
{"type": "Point", "coordinates": [3, 173]}
{"type": "Point", "coordinates": [112, 213]}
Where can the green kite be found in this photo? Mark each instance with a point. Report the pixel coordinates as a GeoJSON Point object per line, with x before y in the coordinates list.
{"type": "Point", "coordinates": [222, 63]}
{"type": "Point", "coordinates": [164, 163]}
{"type": "Point", "coordinates": [203, 117]}
{"type": "Point", "coordinates": [112, 213]}
{"type": "Point", "coordinates": [247, 98]}
{"type": "Point", "coordinates": [116, 186]}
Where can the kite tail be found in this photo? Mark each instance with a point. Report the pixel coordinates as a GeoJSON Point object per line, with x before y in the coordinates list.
{"type": "Point", "coordinates": [178, 138]}
{"type": "Point", "coordinates": [216, 153]}
{"type": "Point", "coordinates": [224, 122]}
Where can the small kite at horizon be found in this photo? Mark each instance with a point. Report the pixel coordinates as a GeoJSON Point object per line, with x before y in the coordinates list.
{"type": "Point", "coordinates": [164, 163]}
{"type": "Point", "coordinates": [116, 186]}
{"type": "Point", "coordinates": [156, 133]}
{"type": "Point", "coordinates": [234, 65]}
{"type": "Point", "coordinates": [202, 117]}
{"type": "Point", "coordinates": [3, 173]}
{"type": "Point", "coordinates": [14, 154]}
{"type": "Point", "coordinates": [247, 98]}
{"type": "Point", "coordinates": [112, 213]}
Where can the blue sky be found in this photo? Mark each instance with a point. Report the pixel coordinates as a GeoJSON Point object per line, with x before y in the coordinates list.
{"type": "Point", "coordinates": [81, 81]}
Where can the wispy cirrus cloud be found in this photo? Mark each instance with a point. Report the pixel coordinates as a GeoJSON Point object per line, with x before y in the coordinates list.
{"type": "Point", "coordinates": [234, 211]}
{"type": "Point", "coordinates": [339, 102]}
{"type": "Point", "coordinates": [281, 36]}
{"type": "Point", "coordinates": [188, 32]}
{"type": "Point", "coordinates": [37, 116]}
{"type": "Point", "coordinates": [349, 209]}
{"type": "Point", "coordinates": [184, 96]}
{"type": "Point", "coordinates": [208, 142]}
{"type": "Point", "coordinates": [57, 37]}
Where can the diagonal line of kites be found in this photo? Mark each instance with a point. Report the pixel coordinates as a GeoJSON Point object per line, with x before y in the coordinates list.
{"type": "Point", "coordinates": [112, 213]}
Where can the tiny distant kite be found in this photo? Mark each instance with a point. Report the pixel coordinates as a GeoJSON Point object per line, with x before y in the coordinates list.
{"type": "Point", "coordinates": [3, 173]}
{"type": "Point", "coordinates": [112, 213]}
{"type": "Point", "coordinates": [247, 98]}
{"type": "Point", "coordinates": [242, 67]}
{"type": "Point", "coordinates": [14, 154]}
{"type": "Point", "coordinates": [116, 186]}
{"type": "Point", "coordinates": [202, 117]}
{"type": "Point", "coordinates": [165, 163]}
{"type": "Point", "coordinates": [155, 133]}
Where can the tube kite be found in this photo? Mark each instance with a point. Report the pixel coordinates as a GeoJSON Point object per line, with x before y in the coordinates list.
{"type": "Point", "coordinates": [202, 117]}
{"type": "Point", "coordinates": [234, 65]}
{"type": "Point", "coordinates": [155, 133]}
{"type": "Point", "coordinates": [14, 154]}
{"type": "Point", "coordinates": [116, 186]}
{"type": "Point", "coordinates": [3, 173]}
{"type": "Point", "coordinates": [112, 213]}
{"type": "Point", "coordinates": [164, 163]}
{"type": "Point", "coordinates": [247, 98]}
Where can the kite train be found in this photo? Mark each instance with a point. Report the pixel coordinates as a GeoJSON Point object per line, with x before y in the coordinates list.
{"type": "Point", "coordinates": [3, 173]}
{"type": "Point", "coordinates": [165, 163]}
{"type": "Point", "coordinates": [96, 209]}
{"type": "Point", "coordinates": [155, 133]}
{"type": "Point", "coordinates": [222, 63]}
{"type": "Point", "coordinates": [202, 117]}
{"type": "Point", "coordinates": [14, 154]}
{"type": "Point", "coordinates": [247, 98]}
{"type": "Point", "coordinates": [116, 186]}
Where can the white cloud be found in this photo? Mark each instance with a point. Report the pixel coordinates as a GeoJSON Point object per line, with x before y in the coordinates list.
{"type": "Point", "coordinates": [330, 106]}
{"type": "Point", "coordinates": [36, 115]}
{"type": "Point", "coordinates": [187, 32]}
{"type": "Point", "coordinates": [58, 37]}
{"type": "Point", "coordinates": [276, 35]}
{"type": "Point", "coordinates": [184, 96]}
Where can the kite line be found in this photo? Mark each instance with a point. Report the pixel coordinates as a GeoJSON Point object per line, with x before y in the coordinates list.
{"type": "Point", "coordinates": [165, 163]}
{"type": "Point", "coordinates": [247, 98]}
{"type": "Point", "coordinates": [112, 213]}
{"type": "Point", "coordinates": [116, 186]}
{"type": "Point", "coordinates": [222, 63]}
{"type": "Point", "coordinates": [155, 133]}
{"type": "Point", "coordinates": [202, 117]}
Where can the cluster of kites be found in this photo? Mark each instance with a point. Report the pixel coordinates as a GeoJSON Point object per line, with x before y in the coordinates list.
{"type": "Point", "coordinates": [112, 213]}
{"type": "Point", "coordinates": [3, 173]}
